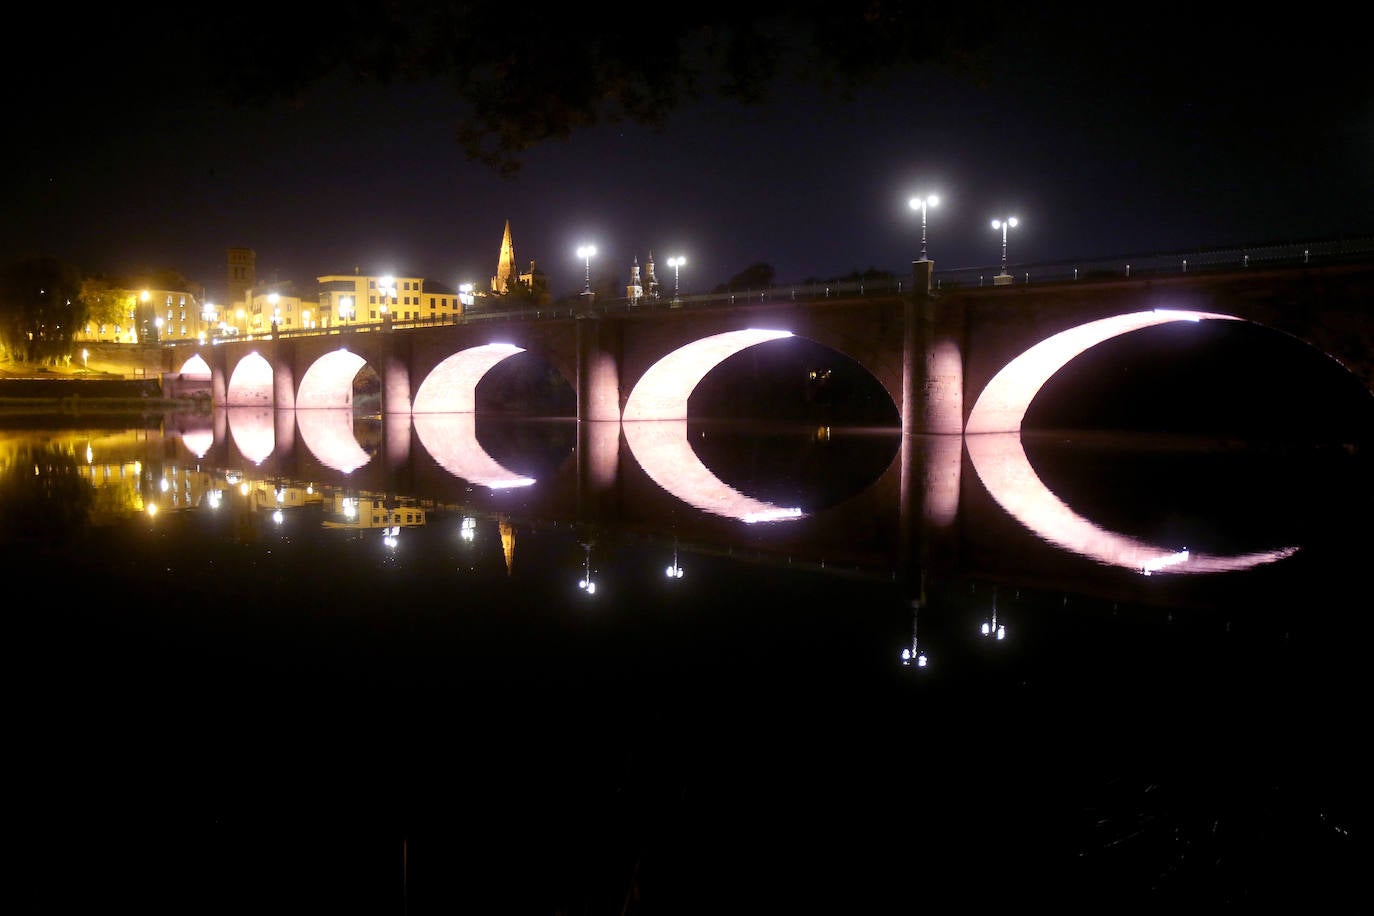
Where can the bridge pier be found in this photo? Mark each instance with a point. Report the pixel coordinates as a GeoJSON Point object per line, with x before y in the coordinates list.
{"type": "Point", "coordinates": [598, 369]}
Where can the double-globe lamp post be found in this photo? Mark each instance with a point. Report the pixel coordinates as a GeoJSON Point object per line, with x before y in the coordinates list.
{"type": "Point", "coordinates": [920, 203]}
{"type": "Point", "coordinates": [585, 252]}
{"type": "Point", "coordinates": [1004, 225]}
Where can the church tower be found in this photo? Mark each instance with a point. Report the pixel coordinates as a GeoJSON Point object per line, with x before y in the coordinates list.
{"type": "Point", "coordinates": [650, 281]}
{"type": "Point", "coordinates": [634, 291]}
{"type": "Point", "coordinates": [505, 265]}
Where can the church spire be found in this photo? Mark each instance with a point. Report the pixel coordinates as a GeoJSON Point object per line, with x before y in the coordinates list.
{"type": "Point", "coordinates": [650, 281]}
{"type": "Point", "coordinates": [505, 265]}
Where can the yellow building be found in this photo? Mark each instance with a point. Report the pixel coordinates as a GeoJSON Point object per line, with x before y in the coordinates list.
{"type": "Point", "coordinates": [147, 315]}
{"type": "Point", "coordinates": [349, 299]}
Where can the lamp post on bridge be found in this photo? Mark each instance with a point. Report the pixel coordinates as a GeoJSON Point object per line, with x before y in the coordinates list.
{"type": "Point", "coordinates": [676, 264]}
{"type": "Point", "coordinates": [585, 252]}
{"type": "Point", "coordinates": [386, 292]}
{"type": "Point", "coordinates": [920, 203]}
{"type": "Point", "coordinates": [1003, 278]}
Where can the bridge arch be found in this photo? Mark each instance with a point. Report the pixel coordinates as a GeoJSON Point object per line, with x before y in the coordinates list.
{"type": "Point", "coordinates": [1002, 404]}
{"type": "Point", "coordinates": [250, 382]}
{"type": "Point", "coordinates": [661, 393]}
{"type": "Point", "coordinates": [328, 382]}
{"type": "Point", "coordinates": [195, 367]}
{"type": "Point", "coordinates": [451, 386]}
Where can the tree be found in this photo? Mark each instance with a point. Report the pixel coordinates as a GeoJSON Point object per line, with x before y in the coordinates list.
{"type": "Point", "coordinates": [755, 276]}
{"type": "Point", "coordinates": [106, 302]}
{"type": "Point", "coordinates": [524, 75]}
{"type": "Point", "coordinates": [41, 309]}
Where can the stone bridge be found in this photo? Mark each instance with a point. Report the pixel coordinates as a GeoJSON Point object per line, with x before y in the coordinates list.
{"type": "Point", "coordinates": [954, 359]}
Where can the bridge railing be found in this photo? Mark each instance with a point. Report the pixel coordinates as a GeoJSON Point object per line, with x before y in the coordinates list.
{"type": "Point", "coordinates": [1213, 260]}
{"type": "Point", "coordinates": [1203, 260]}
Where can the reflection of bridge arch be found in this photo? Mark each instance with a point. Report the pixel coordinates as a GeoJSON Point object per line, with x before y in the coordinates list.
{"type": "Point", "coordinates": [662, 450]}
{"type": "Point", "coordinates": [1000, 461]}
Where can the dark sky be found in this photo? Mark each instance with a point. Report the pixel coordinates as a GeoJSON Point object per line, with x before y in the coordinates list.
{"type": "Point", "coordinates": [1106, 133]}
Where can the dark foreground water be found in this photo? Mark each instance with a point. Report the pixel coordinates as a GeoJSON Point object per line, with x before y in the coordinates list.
{"type": "Point", "coordinates": [249, 701]}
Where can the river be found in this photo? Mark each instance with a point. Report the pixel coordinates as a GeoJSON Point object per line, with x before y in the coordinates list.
{"type": "Point", "coordinates": [471, 665]}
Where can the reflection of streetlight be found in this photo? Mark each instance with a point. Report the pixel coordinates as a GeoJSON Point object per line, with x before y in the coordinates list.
{"type": "Point", "coordinates": [85, 356]}
{"type": "Point", "coordinates": [676, 265]}
{"type": "Point", "coordinates": [586, 583]}
{"type": "Point", "coordinates": [913, 654]}
{"type": "Point", "coordinates": [585, 252]}
{"type": "Point", "coordinates": [674, 571]}
{"type": "Point", "coordinates": [993, 628]}
{"type": "Point", "coordinates": [1004, 225]}
{"type": "Point", "coordinates": [920, 203]}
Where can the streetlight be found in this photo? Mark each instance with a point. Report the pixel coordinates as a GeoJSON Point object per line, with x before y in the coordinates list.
{"type": "Point", "coordinates": [272, 300]}
{"type": "Point", "coordinates": [1003, 224]}
{"type": "Point", "coordinates": [920, 203]}
{"type": "Point", "coordinates": [585, 252]}
{"type": "Point", "coordinates": [386, 288]}
{"type": "Point", "coordinates": [676, 264]}
{"type": "Point", "coordinates": [346, 308]}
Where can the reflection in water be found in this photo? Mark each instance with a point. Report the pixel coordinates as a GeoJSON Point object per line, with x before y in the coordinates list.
{"type": "Point", "coordinates": [662, 450]}
{"type": "Point", "coordinates": [451, 440]}
{"type": "Point", "coordinates": [1001, 464]}
{"type": "Point", "coordinates": [254, 432]}
{"type": "Point", "coordinates": [328, 434]}
{"type": "Point", "coordinates": [198, 441]}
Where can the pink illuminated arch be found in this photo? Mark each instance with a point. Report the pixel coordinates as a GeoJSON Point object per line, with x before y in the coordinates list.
{"type": "Point", "coordinates": [1003, 403]}
{"type": "Point", "coordinates": [452, 386]}
{"type": "Point", "coordinates": [328, 383]}
{"type": "Point", "coordinates": [196, 367]}
{"type": "Point", "coordinates": [662, 392]}
{"type": "Point", "coordinates": [251, 382]}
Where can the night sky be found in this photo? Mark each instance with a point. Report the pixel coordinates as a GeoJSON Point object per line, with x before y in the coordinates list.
{"type": "Point", "coordinates": [1106, 133]}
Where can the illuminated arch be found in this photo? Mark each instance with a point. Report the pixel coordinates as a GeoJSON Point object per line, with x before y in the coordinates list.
{"type": "Point", "coordinates": [195, 368]}
{"type": "Point", "coordinates": [328, 383]}
{"type": "Point", "coordinates": [1003, 403]}
{"type": "Point", "coordinates": [451, 387]}
{"type": "Point", "coordinates": [662, 392]}
{"type": "Point", "coordinates": [250, 385]}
